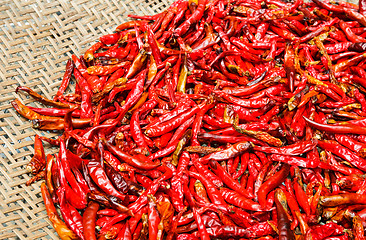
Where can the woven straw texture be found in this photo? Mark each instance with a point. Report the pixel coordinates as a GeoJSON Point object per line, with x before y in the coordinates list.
{"type": "Point", "coordinates": [36, 39]}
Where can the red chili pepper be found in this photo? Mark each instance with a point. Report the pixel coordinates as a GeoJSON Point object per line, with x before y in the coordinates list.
{"type": "Point", "coordinates": [65, 79]}
{"type": "Point", "coordinates": [101, 179]}
{"type": "Point", "coordinates": [230, 152]}
{"type": "Point", "coordinates": [283, 223]}
{"type": "Point", "coordinates": [170, 125]}
{"type": "Point", "coordinates": [301, 197]}
{"type": "Point", "coordinates": [62, 230]}
{"type": "Point", "coordinates": [271, 183]}
{"type": "Point", "coordinates": [89, 218]}
{"type": "Point", "coordinates": [92, 82]}
{"type": "Point", "coordinates": [203, 87]}
{"type": "Point", "coordinates": [38, 161]}
{"type": "Point", "coordinates": [154, 218]}
{"type": "Point", "coordinates": [65, 170]}
{"type": "Point", "coordinates": [238, 200]}
{"type": "Point", "coordinates": [201, 227]}
{"type": "Point", "coordinates": [344, 153]}
{"type": "Point", "coordinates": [212, 192]}
{"type": "Point", "coordinates": [110, 39]}
{"type": "Point", "coordinates": [183, 28]}
{"type": "Point", "coordinates": [131, 160]}
{"type": "Point", "coordinates": [88, 56]}
{"type": "Point", "coordinates": [228, 180]}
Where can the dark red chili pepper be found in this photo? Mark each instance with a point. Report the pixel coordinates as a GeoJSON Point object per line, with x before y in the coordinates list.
{"type": "Point", "coordinates": [99, 176]}
{"type": "Point", "coordinates": [89, 218]}
{"type": "Point", "coordinates": [283, 223]}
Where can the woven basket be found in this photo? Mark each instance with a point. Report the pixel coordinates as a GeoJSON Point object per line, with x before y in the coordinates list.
{"type": "Point", "coordinates": [36, 39]}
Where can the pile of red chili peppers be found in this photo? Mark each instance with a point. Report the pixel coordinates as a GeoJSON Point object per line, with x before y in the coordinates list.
{"type": "Point", "coordinates": [212, 120]}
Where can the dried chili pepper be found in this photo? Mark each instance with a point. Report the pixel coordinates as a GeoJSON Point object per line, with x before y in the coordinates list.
{"type": "Point", "coordinates": [62, 230]}
{"type": "Point", "coordinates": [271, 184]}
{"type": "Point", "coordinates": [89, 218]}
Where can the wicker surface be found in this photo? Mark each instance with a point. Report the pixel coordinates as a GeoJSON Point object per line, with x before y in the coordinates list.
{"type": "Point", "coordinates": [36, 39]}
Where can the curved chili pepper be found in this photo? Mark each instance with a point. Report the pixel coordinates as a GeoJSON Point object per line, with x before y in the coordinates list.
{"type": "Point", "coordinates": [84, 79]}
{"type": "Point", "coordinates": [228, 180]}
{"type": "Point", "coordinates": [238, 200]}
{"type": "Point", "coordinates": [230, 152]}
{"type": "Point", "coordinates": [66, 79]}
{"type": "Point", "coordinates": [89, 218]}
{"type": "Point", "coordinates": [272, 183]}
{"type": "Point", "coordinates": [350, 35]}
{"type": "Point", "coordinates": [99, 176]}
{"type": "Point", "coordinates": [344, 153]}
{"type": "Point", "coordinates": [126, 25]}
{"type": "Point", "coordinates": [40, 98]}
{"type": "Point", "coordinates": [88, 56]}
{"type": "Point", "coordinates": [131, 160]}
{"type": "Point", "coordinates": [212, 192]}
{"type": "Point", "coordinates": [62, 230]}
{"type": "Point", "coordinates": [110, 39]}
{"type": "Point", "coordinates": [350, 128]}
{"type": "Point", "coordinates": [183, 28]}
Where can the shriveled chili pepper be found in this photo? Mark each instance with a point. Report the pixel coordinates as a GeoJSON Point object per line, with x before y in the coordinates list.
{"type": "Point", "coordinates": [62, 230]}
{"type": "Point", "coordinates": [346, 198]}
{"type": "Point", "coordinates": [66, 79]}
{"type": "Point", "coordinates": [38, 161]}
{"type": "Point", "coordinates": [41, 99]}
{"type": "Point", "coordinates": [230, 152]}
{"type": "Point", "coordinates": [89, 218]}
{"type": "Point", "coordinates": [101, 179]}
{"type": "Point", "coordinates": [212, 192]}
{"type": "Point", "coordinates": [283, 223]}
{"type": "Point", "coordinates": [133, 161]}
{"type": "Point", "coordinates": [343, 152]}
{"type": "Point", "coordinates": [228, 180]}
{"type": "Point", "coordinates": [154, 218]}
